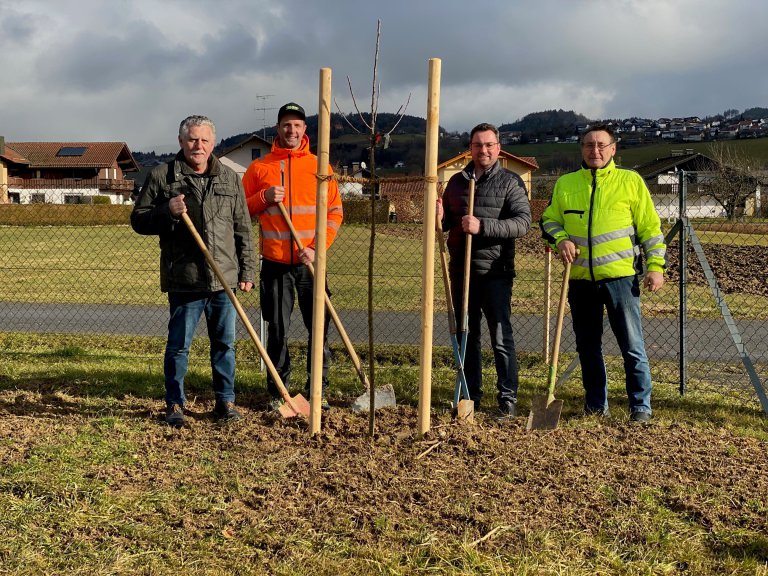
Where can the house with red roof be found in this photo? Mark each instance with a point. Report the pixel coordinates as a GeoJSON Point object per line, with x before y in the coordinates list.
{"type": "Point", "coordinates": [66, 172]}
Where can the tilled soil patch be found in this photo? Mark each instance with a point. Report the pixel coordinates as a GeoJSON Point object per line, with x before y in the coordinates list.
{"type": "Point", "coordinates": [462, 482]}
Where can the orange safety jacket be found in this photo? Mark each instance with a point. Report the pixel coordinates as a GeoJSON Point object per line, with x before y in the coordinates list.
{"type": "Point", "coordinates": [300, 181]}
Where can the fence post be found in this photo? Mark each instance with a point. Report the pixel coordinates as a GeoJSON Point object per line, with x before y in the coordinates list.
{"type": "Point", "coordinates": [683, 288]}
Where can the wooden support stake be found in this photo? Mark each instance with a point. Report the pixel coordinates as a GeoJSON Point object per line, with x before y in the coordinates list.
{"type": "Point", "coordinates": [547, 300]}
{"type": "Point", "coordinates": [428, 247]}
{"type": "Point", "coordinates": [321, 223]}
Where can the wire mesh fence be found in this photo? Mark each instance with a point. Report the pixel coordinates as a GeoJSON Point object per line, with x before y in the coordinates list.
{"type": "Point", "coordinates": [69, 269]}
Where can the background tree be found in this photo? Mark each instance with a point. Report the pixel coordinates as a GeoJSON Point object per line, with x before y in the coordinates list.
{"type": "Point", "coordinates": [733, 181]}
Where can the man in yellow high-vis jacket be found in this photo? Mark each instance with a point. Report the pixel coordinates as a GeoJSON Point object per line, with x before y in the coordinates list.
{"type": "Point", "coordinates": [597, 219]}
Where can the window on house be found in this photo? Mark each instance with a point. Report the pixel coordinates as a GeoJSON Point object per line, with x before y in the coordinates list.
{"type": "Point", "coordinates": [71, 151]}
{"type": "Point", "coordinates": [71, 199]}
{"type": "Point", "coordinates": [255, 153]}
{"type": "Point", "coordinates": [37, 198]}
{"type": "Point", "coordinates": [14, 197]}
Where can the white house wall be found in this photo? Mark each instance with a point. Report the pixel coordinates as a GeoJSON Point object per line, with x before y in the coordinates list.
{"type": "Point", "coordinates": [56, 195]}
{"type": "Point", "coordinates": [668, 208]}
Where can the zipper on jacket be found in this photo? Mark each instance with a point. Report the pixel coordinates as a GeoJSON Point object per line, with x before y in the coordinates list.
{"type": "Point", "coordinates": [290, 206]}
{"type": "Point", "coordinates": [589, 226]}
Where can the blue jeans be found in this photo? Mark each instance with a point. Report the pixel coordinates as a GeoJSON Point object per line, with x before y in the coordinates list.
{"type": "Point", "coordinates": [492, 298]}
{"type": "Point", "coordinates": [620, 297]}
{"type": "Point", "coordinates": [186, 309]}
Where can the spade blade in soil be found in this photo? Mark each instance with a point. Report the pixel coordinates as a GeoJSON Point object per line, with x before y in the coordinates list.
{"type": "Point", "coordinates": [384, 398]}
{"type": "Point", "coordinates": [466, 410]}
{"type": "Point", "coordinates": [300, 407]}
{"type": "Point", "coordinates": [544, 415]}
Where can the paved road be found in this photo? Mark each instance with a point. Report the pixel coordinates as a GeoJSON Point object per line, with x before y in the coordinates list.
{"type": "Point", "coordinates": [708, 340]}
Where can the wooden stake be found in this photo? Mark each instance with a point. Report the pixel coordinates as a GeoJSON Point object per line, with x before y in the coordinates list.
{"type": "Point", "coordinates": [547, 299]}
{"type": "Point", "coordinates": [321, 223]}
{"type": "Point", "coordinates": [428, 247]}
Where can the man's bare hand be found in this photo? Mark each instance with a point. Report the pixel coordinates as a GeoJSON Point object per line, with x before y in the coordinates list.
{"type": "Point", "coordinates": [470, 224]}
{"type": "Point", "coordinates": [567, 251]}
{"type": "Point", "coordinates": [274, 194]}
{"type": "Point", "coordinates": [653, 281]}
{"type": "Point", "coordinates": [307, 256]}
{"type": "Point", "coordinates": [176, 206]}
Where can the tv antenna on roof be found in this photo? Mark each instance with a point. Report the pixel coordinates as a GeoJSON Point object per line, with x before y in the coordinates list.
{"type": "Point", "coordinates": [263, 110]}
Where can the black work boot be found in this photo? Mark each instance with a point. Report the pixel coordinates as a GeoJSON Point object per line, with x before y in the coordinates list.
{"type": "Point", "coordinates": [174, 416]}
{"type": "Point", "coordinates": [507, 409]}
{"type": "Point", "coordinates": [226, 412]}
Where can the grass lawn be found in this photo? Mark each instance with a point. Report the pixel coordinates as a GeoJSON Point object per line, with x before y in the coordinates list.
{"type": "Point", "coordinates": [91, 481]}
{"type": "Point", "coordinates": [113, 265]}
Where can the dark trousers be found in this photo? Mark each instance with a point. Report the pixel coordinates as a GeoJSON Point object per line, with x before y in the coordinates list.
{"type": "Point", "coordinates": [492, 298]}
{"type": "Point", "coordinates": [278, 284]}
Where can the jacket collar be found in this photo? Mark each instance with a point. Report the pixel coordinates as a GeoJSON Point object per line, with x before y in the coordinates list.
{"type": "Point", "coordinates": [281, 152]}
{"type": "Point", "coordinates": [181, 168]}
{"type": "Point", "coordinates": [470, 169]}
{"type": "Point", "coordinates": [599, 172]}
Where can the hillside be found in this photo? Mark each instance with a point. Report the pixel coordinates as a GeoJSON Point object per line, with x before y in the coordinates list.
{"type": "Point", "coordinates": [640, 139]}
{"type": "Point", "coordinates": [560, 123]}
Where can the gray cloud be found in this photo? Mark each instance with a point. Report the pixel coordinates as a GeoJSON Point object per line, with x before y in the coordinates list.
{"type": "Point", "coordinates": [131, 69]}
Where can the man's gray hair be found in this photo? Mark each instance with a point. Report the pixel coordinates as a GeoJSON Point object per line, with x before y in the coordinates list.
{"type": "Point", "coordinates": [195, 120]}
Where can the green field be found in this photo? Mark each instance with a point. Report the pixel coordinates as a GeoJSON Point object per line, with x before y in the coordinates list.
{"type": "Point", "coordinates": [113, 265]}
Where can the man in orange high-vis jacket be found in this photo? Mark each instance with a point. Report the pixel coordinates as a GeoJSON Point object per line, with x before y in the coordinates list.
{"type": "Point", "coordinates": [288, 174]}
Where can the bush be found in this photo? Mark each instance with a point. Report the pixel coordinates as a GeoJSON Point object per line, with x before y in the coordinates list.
{"type": "Point", "coordinates": [358, 211]}
{"type": "Point", "coordinates": [65, 214]}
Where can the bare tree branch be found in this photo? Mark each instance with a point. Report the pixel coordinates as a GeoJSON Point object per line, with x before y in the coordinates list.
{"type": "Point", "coordinates": [345, 117]}
{"type": "Point", "coordinates": [403, 108]}
{"type": "Point", "coordinates": [354, 102]}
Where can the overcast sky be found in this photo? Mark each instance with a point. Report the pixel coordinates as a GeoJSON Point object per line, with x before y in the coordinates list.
{"type": "Point", "coordinates": [130, 70]}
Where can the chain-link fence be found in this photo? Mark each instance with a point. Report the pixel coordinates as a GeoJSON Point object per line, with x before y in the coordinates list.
{"type": "Point", "coordinates": [81, 269]}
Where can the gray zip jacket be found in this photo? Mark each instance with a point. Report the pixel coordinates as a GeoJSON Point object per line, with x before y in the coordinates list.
{"type": "Point", "coordinates": [501, 205]}
{"type": "Point", "coordinates": [221, 219]}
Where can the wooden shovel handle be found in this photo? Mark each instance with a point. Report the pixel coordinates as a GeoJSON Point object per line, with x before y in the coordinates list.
{"type": "Point", "coordinates": [467, 258]}
{"type": "Point", "coordinates": [240, 312]}
{"type": "Point", "coordinates": [329, 306]}
{"type": "Point", "coordinates": [559, 328]}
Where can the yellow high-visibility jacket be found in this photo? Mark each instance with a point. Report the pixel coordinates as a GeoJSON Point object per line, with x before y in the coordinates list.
{"type": "Point", "coordinates": [608, 213]}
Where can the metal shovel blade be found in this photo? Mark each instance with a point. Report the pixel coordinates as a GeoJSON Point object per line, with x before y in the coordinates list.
{"type": "Point", "coordinates": [384, 398]}
{"type": "Point", "coordinates": [299, 403]}
{"type": "Point", "coordinates": [466, 410]}
{"type": "Point", "coordinates": [544, 415]}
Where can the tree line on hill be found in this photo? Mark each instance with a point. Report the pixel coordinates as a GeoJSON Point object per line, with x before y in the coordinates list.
{"type": "Point", "coordinates": [350, 138]}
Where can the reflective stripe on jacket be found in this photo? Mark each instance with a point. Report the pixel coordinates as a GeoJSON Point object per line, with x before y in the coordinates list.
{"type": "Point", "coordinates": [300, 198]}
{"type": "Point", "coordinates": [608, 213]}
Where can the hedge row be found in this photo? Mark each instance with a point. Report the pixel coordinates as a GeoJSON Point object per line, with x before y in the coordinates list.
{"type": "Point", "coordinates": [64, 214]}
{"type": "Point", "coordinates": [355, 212]}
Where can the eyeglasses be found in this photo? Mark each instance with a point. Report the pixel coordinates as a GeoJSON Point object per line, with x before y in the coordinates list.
{"type": "Point", "coordinates": [599, 145]}
{"type": "Point", "coordinates": [483, 145]}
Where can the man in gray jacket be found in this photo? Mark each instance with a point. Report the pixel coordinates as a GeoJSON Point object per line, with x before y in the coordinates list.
{"type": "Point", "coordinates": [501, 214]}
{"type": "Point", "coordinates": [211, 194]}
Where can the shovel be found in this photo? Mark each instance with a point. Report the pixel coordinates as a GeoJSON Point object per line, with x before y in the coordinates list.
{"type": "Point", "coordinates": [384, 396]}
{"type": "Point", "coordinates": [465, 408]}
{"type": "Point", "coordinates": [296, 406]}
{"type": "Point", "coordinates": [545, 410]}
